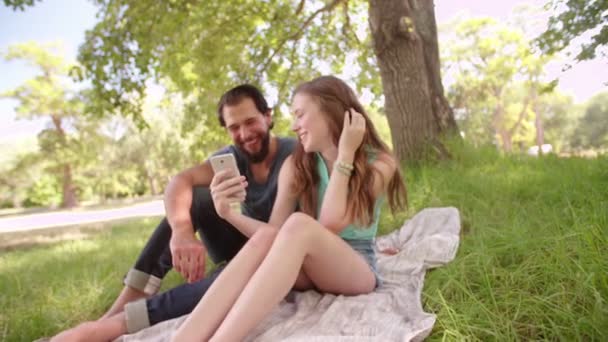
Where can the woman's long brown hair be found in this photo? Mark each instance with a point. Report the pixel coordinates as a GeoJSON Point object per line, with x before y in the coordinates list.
{"type": "Point", "coordinates": [335, 97]}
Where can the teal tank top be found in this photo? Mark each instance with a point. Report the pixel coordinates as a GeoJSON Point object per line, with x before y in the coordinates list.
{"type": "Point", "coordinates": [352, 231]}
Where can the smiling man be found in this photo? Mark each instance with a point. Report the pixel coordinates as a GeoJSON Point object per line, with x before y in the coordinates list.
{"type": "Point", "coordinates": [245, 114]}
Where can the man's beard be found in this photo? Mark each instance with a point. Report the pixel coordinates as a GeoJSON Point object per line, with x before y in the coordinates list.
{"type": "Point", "coordinates": [261, 154]}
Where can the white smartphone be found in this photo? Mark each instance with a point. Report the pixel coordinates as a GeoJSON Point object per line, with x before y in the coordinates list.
{"type": "Point", "coordinates": [222, 162]}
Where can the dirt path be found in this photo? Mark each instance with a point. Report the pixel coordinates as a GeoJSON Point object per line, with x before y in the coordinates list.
{"type": "Point", "coordinates": [32, 222]}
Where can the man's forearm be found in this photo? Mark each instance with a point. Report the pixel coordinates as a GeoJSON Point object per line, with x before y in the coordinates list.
{"type": "Point", "coordinates": [178, 201]}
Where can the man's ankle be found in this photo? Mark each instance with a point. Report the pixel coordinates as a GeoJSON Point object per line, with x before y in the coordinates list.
{"type": "Point", "coordinates": [127, 295]}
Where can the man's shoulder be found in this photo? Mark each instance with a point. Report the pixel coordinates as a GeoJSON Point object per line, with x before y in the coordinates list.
{"type": "Point", "coordinates": [224, 150]}
{"type": "Point", "coordinates": [241, 160]}
{"type": "Point", "coordinates": [287, 143]}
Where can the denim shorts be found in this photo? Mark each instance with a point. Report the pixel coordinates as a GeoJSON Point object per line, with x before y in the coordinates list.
{"type": "Point", "coordinates": [366, 249]}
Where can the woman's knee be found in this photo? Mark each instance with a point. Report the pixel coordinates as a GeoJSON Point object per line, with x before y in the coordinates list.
{"type": "Point", "coordinates": [298, 227]}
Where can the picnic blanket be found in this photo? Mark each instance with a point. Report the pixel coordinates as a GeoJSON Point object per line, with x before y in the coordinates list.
{"type": "Point", "coordinates": [391, 313]}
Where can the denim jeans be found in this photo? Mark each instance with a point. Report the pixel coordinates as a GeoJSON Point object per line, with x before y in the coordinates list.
{"type": "Point", "coordinates": [367, 251]}
{"type": "Point", "coordinates": [222, 241]}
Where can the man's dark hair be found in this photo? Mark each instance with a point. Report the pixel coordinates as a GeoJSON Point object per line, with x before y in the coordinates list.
{"type": "Point", "coordinates": [237, 94]}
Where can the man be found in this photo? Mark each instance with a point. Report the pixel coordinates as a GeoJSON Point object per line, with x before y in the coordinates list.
{"type": "Point", "coordinates": [245, 114]}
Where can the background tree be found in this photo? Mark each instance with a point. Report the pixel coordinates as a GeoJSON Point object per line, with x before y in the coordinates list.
{"type": "Point", "coordinates": [64, 142]}
{"type": "Point", "coordinates": [497, 83]}
{"type": "Point", "coordinates": [560, 115]}
{"type": "Point", "coordinates": [592, 129]}
{"type": "Point", "coordinates": [17, 177]}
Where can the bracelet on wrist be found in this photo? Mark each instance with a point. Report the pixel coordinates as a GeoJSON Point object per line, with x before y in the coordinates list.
{"type": "Point", "coordinates": [344, 168]}
{"type": "Point", "coordinates": [345, 172]}
{"type": "Point", "coordinates": [344, 165]}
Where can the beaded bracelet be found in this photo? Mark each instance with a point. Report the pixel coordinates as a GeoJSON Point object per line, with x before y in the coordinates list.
{"type": "Point", "coordinates": [344, 168]}
{"type": "Point", "coordinates": [345, 165]}
{"type": "Point", "coordinates": [343, 171]}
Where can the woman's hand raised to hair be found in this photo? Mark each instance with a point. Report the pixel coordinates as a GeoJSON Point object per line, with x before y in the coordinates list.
{"type": "Point", "coordinates": [352, 134]}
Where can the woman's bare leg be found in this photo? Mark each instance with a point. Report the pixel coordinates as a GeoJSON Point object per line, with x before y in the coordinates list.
{"type": "Point", "coordinates": [330, 263]}
{"type": "Point", "coordinates": [106, 329]}
{"type": "Point", "coordinates": [217, 301]}
{"type": "Point", "coordinates": [303, 283]}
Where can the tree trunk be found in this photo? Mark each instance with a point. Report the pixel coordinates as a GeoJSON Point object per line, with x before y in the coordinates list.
{"type": "Point", "coordinates": [151, 182]}
{"type": "Point", "coordinates": [17, 201]}
{"type": "Point", "coordinates": [540, 129]}
{"type": "Point", "coordinates": [507, 140]}
{"type": "Point", "coordinates": [69, 198]}
{"type": "Point", "coordinates": [406, 48]}
{"type": "Point", "coordinates": [498, 118]}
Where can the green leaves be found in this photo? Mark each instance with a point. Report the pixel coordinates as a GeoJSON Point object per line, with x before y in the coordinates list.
{"type": "Point", "coordinates": [497, 82]}
{"type": "Point", "coordinates": [47, 93]}
{"type": "Point", "coordinates": [19, 4]}
{"type": "Point", "coordinates": [576, 18]}
{"type": "Point", "coordinates": [202, 50]}
{"type": "Point", "coordinates": [592, 128]}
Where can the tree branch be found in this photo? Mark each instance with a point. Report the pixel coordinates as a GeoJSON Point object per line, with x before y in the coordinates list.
{"type": "Point", "coordinates": [330, 6]}
{"type": "Point", "coordinates": [347, 26]}
{"type": "Point", "coordinates": [283, 84]}
{"type": "Point", "coordinates": [300, 7]}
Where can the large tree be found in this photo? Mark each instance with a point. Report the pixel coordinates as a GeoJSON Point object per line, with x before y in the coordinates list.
{"type": "Point", "coordinates": [592, 129]}
{"type": "Point", "coordinates": [498, 82]}
{"type": "Point", "coordinates": [49, 95]}
{"type": "Point", "coordinates": [407, 52]}
{"type": "Point", "coordinates": [203, 48]}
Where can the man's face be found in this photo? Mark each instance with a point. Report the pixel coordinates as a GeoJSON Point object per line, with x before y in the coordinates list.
{"type": "Point", "coordinates": [249, 129]}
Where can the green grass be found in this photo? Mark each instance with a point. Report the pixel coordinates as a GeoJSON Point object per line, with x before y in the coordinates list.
{"type": "Point", "coordinates": [531, 263]}
{"type": "Point", "coordinates": [49, 288]}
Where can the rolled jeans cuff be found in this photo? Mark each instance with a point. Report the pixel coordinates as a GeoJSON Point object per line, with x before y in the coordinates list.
{"type": "Point", "coordinates": [136, 316]}
{"type": "Point", "coordinates": [142, 281]}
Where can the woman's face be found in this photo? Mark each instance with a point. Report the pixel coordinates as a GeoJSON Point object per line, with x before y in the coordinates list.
{"type": "Point", "coordinates": [310, 123]}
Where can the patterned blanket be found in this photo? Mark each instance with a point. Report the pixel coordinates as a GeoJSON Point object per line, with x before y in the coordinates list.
{"type": "Point", "coordinates": [391, 313]}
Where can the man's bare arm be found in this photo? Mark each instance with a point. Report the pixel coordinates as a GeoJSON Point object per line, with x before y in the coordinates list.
{"type": "Point", "coordinates": [178, 195]}
{"type": "Point", "coordinates": [187, 252]}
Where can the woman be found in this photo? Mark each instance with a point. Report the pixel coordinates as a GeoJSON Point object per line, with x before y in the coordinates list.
{"type": "Point", "coordinates": [338, 176]}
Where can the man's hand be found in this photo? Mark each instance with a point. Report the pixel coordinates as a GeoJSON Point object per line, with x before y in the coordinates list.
{"type": "Point", "coordinates": [188, 255]}
{"type": "Point", "coordinates": [226, 189]}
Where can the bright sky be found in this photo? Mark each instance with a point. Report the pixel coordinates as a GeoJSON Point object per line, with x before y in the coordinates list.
{"type": "Point", "coordinates": [67, 20]}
